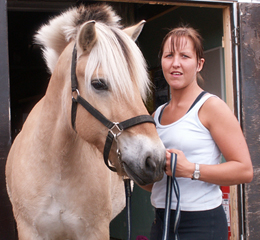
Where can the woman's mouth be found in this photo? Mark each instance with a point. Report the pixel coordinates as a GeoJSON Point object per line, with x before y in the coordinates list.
{"type": "Point", "coordinates": [176, 73]}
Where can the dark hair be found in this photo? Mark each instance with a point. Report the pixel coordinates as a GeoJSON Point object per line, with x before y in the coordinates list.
{"type": "Point", "coordinates": [184, 31]}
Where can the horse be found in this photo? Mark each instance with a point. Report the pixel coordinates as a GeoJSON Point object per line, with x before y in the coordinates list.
{"type": "Point", "coordinates": [57, 181]}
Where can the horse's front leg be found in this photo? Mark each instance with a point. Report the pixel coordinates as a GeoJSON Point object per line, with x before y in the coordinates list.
{"type": "Point", "coordinates": [26, 231]}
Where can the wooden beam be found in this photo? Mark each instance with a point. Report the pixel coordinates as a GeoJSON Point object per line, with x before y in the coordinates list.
{"type": "Point", "coordinates": [36, 5]}
{"type": "Point", "coordinates": [7, 225]}
{"type": "Point", "coordinates": [229, 88]}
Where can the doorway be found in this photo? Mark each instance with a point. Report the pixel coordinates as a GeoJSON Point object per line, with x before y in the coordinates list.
{"type": "Point", "coordinates": [29, 77]}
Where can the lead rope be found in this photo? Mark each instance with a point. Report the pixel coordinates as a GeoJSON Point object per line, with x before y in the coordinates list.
{"type": "Point", "coordinates": [171, 182]}
{"type": "Point", "coordinates": [128, 206]}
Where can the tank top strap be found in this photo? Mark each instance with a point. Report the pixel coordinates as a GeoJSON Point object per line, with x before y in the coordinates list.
{"type": "Point", "coordinates": [201, 101]}
{"type": "Point", "coordinates": [197, 99]}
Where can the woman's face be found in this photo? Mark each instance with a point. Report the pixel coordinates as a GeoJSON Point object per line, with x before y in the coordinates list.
{"type": "Point", "coordinates": [180, 65]}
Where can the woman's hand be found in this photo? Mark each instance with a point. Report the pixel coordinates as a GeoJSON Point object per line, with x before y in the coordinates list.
{"type": "Point", "coordinates": [184, 168]}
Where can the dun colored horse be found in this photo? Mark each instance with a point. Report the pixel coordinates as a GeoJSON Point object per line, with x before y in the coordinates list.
{"type": "Point", "coordinates": [58, 183]}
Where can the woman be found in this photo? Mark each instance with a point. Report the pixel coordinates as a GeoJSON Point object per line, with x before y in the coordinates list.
{"type": "Point", "coordinates": [198, 135]}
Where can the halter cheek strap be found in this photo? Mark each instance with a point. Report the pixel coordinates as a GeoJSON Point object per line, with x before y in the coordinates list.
{"type": "Point", "coordinates": [114, 128]}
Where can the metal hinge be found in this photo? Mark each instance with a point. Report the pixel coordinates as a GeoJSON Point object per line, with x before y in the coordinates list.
{"type": "Point", "coordinates": [235, 36]}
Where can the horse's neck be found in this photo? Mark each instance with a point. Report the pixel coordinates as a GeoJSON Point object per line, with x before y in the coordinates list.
{"type": "Point", "coordinates": [53, 115]}
{"type": "Point", "coordinates": [55, 128]}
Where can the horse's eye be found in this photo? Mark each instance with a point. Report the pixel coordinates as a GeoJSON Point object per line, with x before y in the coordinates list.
{"type": "Point", "coordinates": [99, 84]}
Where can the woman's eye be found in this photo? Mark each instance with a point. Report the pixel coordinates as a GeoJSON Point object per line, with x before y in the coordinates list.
{"type": "Point", "coordinates": [185, 56]}
{"type": "Point", "coordinates": [169, 55]}
{"type": "Point", "coordinates": [99, 84]}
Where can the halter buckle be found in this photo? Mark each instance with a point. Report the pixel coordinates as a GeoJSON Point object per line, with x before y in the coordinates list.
{"type": "Point", "coordinates": [115, 130]}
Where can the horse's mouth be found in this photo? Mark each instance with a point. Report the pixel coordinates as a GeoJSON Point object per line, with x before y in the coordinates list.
{"type": "Point", "coordinates": [131, 174]}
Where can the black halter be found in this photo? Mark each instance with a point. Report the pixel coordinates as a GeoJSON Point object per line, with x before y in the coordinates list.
{"type": "Point", "coordinates": [114, 128]}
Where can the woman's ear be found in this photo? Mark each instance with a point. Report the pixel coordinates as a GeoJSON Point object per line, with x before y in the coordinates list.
{"type": "Point", "coordinates": [200, 64]}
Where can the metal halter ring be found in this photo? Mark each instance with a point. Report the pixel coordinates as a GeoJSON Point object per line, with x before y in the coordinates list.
{"type": "Point", "coordinates": [77, 92]}
{"type": "Point", "coordinates": [118, 130]}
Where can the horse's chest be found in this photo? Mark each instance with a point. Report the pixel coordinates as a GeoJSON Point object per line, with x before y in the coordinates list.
{"type": "Point", "coordinates": [60, 219]}
{"type": "Point", "coordinates": [70, 213]}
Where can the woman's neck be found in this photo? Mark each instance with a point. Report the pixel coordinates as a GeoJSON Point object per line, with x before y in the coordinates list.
{"type": "Point", "coordinates": [185, 95]}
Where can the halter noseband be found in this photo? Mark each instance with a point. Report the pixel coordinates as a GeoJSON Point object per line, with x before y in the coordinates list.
{"type": "Point", "coordinates": [114, 128]}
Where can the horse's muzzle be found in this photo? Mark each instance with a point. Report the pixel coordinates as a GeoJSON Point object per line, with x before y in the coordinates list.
{"type": "Point", "coordinates": [149, 172]}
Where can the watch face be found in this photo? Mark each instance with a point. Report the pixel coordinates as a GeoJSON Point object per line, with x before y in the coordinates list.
{"type": "Point", "coordinates": [196, 175]}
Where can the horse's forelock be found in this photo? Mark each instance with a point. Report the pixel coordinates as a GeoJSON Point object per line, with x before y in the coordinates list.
{"type": "Point", "coordinates": [121, 61]}
{"type": "Point", "coordinates": [136, 63]}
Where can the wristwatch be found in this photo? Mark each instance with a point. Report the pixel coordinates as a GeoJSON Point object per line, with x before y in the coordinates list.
{"type": "Point", "coordinates": [196, 174]}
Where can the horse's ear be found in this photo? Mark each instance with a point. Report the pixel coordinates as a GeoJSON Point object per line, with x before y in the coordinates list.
{"type": "Point", "coordinates": [87, 36]}
{"type": "Point", "coordinates": [135, 30]}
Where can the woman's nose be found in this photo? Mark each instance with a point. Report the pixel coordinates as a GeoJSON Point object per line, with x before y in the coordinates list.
{"type": "Point", "coordinates": [175, 62]}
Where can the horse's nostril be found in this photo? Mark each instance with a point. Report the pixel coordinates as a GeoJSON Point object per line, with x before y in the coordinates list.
{"type": "Point", "coordinates": [150, 164]}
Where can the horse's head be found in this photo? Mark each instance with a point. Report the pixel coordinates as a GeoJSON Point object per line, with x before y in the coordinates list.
{"type": "Point", "coordinates": [112, 77]}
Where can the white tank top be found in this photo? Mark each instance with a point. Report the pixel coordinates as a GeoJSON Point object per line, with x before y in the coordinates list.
{"type": "Point", "coordinates": [190, 136]}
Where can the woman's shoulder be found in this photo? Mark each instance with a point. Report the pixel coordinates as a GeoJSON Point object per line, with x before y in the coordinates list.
{"type": "Point", "coordinates": [214, 103]}
{"type": "Point", "coordinates": [214, 110]}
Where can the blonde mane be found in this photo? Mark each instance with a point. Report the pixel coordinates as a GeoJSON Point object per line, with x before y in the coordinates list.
{"type": "Point", "coordinates": [117, 55]}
